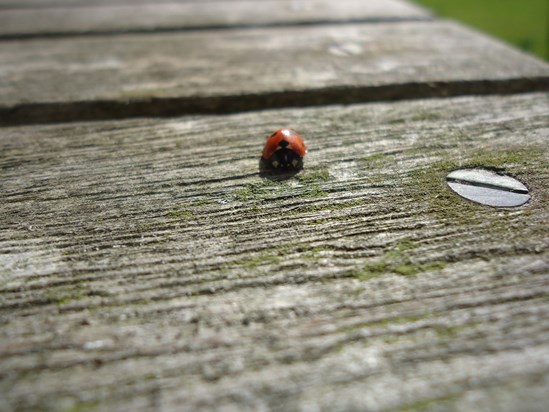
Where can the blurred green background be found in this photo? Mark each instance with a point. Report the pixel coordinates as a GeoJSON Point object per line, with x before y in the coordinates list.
{"type": "Point", "coordinates": [524, 23]}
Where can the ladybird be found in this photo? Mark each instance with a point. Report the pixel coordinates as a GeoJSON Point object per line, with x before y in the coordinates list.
{"type": "Point", "coordinates": [284, 150]}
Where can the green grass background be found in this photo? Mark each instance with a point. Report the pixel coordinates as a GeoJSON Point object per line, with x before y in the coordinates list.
{"type": "Point", "coordinates": [524, 23]}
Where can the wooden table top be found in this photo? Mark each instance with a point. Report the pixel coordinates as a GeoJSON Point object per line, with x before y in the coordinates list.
{"type": "Point", "coordinates": [147, 264]}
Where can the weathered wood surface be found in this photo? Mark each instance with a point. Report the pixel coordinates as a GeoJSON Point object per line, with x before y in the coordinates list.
{"type": "Point", "coordinates": [19, 4]}
{"type": "Point", "coordinates": [145, 265]}
{"type": "Point", "coordinates": [90, 19]}
{"type": "Point", "coordinates": [170, 73]}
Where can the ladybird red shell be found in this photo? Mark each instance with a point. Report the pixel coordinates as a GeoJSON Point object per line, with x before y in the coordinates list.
{"type": "Point", "coordinates": [284, 149]}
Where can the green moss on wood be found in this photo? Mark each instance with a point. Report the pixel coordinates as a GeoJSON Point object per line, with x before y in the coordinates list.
{"type": "Point", "coordinates": [326, 206]}
{"type": "Point", "coordinates": [314, 192]}
{"type": "Point", "coordinates": [422, 405]}
{"type": "Point", "coordinates": [256, 190]}
{"type": "Point", "coordinates": [412, 269]}
{"type": "Point", "coordinates": [71, 293]}
{"type": "Point", "coordinates": [384, 323]}
{"type": "Point", "coordinates": [79, 407]}
{"type": "Point", "coordinates": [320, 174]}
{"type": "Point", "coordinates": [275, 255]}
{"type": "Point", "coordinates": [181, 213]}
{"type": "Point", "coordinates": [399, 261]}
{"type": "Point", "coordinates": [428, 185]}
{"type": "Point", "coordinates": [376, 160]}
{"type": "Point", "coordinates": [253, 261]}
{"type": "Point", "coordinates": [264, 189]}
{"type": "Point", "coordinates": [510, 160]}
{"type": "Point", "coordinates": [450, 332]}
{"type": "Point", "coordinates": [188, 211]}
{"type": "Point", "coordinates": [426, 116]}
{"type": "Point", "coordinates": [201, 202]}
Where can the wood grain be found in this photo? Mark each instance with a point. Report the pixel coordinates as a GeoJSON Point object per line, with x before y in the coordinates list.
{"type": "Point", "coordinates": [146, 264]}
{"type": "Point", "coordinates": [215, 72]}
{"type": "Point", "coordinates": [116, 18]}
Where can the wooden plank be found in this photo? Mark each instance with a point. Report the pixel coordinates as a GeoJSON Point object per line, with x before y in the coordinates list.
{"type": "Point", "coordinates": [213, 71]}
{"type": "Point", "coordinates": [145, 264]}
{"type": "Point", "coordinates": [19, 4]}
{"type": "Point", "coordinates": [90, 19]}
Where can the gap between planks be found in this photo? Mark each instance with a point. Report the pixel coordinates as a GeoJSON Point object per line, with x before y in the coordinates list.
{"type": "Point", "coordinates": [77, 111]}
{"type": "Point", "coordinates": [53, 34]}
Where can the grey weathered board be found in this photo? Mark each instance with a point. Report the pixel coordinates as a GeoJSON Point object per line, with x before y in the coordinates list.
{"type": "Point", "coordinates": [91, 19]}
{"type": "Point", "coordinates": [205, 71]}
{"type": "Point", "coordinates": [35, 4]}
{"type": "Point", "coordinates": [146, 265]}
{"type": "Point", "coordinates": [19, 4]}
